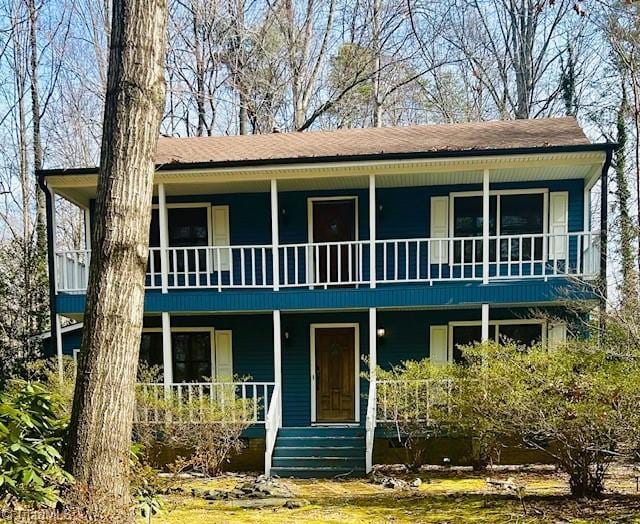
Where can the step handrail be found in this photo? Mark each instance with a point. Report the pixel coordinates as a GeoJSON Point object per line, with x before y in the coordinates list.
{"type": "Point", "coordinates": [370, 426]}
{"type": "Point", "coordinates": [273, 422]}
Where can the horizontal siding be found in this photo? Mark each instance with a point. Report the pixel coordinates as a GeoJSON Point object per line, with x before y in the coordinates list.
{"type": "Point", "coordinates": [437, 295]}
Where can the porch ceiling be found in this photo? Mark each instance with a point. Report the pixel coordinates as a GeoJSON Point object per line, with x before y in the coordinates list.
{"type": "Point", "coordinates": [80, 188]}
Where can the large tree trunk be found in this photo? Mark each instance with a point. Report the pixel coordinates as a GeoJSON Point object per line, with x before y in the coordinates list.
{"type": "Point", "coordinates": [101, 420]}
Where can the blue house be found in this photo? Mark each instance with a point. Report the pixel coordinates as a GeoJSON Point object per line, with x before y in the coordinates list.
{"type": "Point", "coordinates": [299, 261]}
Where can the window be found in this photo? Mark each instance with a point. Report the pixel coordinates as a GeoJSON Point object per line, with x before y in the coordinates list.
{"type": "Point", "coordinates": [467, 335]}
{"type": "Point", "coordinates": [191, 356]}
{"type": "Point", "coordinates": [151, 349]}
{"type": "Point", "coordinates": [509, 214]}
{"type": "Point", "coordinates": [468, 222]}
{"type": "Point", "coordinates": [522, 333]}
{"type": "Point", "coordinates": [187, 227]}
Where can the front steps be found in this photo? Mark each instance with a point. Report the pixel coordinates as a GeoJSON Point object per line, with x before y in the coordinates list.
{"type": "Point", "coordinates": [319, 452]}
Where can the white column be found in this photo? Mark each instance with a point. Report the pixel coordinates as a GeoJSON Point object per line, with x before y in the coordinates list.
{"type": "Point", "coordinates": [167, 360]}
{"type": "Point", "coordinates": [164, 241]}
{"type": "Point", "coordinates": [59, 348]}
{"type": "Point", "coordinates": [372, 231]}
{"type": "Point", "coordinates": [485, 227]}
{"type": "Point", "coordinates": [54, 248]}
{"type": "Point", "coordinates": [87, 228]}
{"type": "Point", "coordinates": [277, 354]}
{"type": "Point", "coordinates": [485, 323]}
{"type": "Point", "coordinates": [275, 235]}
{"type": "Point", "coordinates": [373, 343]}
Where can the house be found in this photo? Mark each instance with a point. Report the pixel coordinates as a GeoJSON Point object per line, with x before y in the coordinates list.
{"type": "Point", "coordinates": [301, 260]}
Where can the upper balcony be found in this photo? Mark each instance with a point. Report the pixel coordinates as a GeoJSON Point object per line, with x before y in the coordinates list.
{"type": "Point", "coordinates": [338, 264]}
{"type": "Point", "coordinates": [487, 203]}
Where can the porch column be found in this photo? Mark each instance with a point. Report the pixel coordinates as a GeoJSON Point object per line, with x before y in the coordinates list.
{"type": "Point", "coordinates": [167, 361]}
{"type": "Point", "coordinates": [277, 355]}
{"type": "Point", "coordinates": [54, 242]}
{"type": "Point", "coordinates": [372, 231]}
{"type": "Point", "coordinates": [485, 227]}
{"type": "Point", "coordinates": [485, 323]}
{"type": "Point", "coordinates": [164, 242]}
{"type": "Point", "coordinates": [373, 344]}
{"type": "Point", "coordinates": [87, 228]}
{"type": "Point", "coordinates": [275, 235]}
{"type": "Point", "coordinates": [59, 348]}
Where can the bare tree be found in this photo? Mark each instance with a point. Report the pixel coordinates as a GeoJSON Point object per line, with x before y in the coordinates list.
{"type": "Point", "coordinates": [101, 421]}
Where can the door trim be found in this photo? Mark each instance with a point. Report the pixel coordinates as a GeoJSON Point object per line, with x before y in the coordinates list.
{"type": "Point", "coordinates": [311, 270]}
{"type": "Point", "coordinates": [356, 365]}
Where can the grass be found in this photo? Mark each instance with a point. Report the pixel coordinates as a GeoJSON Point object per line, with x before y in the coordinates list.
{"type": "Point", "coordinates": [443, 497]}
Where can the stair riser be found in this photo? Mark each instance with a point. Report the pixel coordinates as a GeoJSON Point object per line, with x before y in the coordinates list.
{"type": "Point", "coordinates": [319, 452]}
{"type": "Point", "coordinates": [318, 462]}
{"type": "Point", "coordinates": [317, 474]}
{"type": "Point", "coordinates": [321, 432]}
{"type": "Point", "coordinates": [317, 442]}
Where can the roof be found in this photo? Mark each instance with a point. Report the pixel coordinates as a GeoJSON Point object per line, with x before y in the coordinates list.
{"type": "Point", "coordinates": [346, 143]}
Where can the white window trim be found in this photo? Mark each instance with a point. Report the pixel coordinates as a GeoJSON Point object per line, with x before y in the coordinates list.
{"type": "Point", "coordinates": [497, 323]}
{"type": "Point", "coordinates": [210, 330]}
{"type": "Point", "coordinates": [499, 192]}
{"type": "Point", "coordinates": [312, 368]}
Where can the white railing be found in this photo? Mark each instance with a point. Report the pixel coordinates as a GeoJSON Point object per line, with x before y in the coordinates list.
{"type": "Point", "coordinates": [412, 400]}
{"type": "Point", "coordinates": [324, 264]}
{"type": "Point", "coordinates": [416, 260]}
{"type": "Point", "coordinates": [72, 270]}
{"type": "Point", "coordinates": [194, 402]}
{"type": "Point", "coordinates": [545, 255]}
{"type": "Point", "coordinates": [428, 259]}
{"type": "Point", "coordinates": [272, 424]}
{"type": "Point", "coordinates": [370, 425]}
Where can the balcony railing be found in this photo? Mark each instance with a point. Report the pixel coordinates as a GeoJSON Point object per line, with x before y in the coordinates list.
{"type": "Point", "coordinates": [335, 264]}
{"type": "Point", "coordinates": [217, 402]}
{"type": "Point", "coordinates": [412, 400]}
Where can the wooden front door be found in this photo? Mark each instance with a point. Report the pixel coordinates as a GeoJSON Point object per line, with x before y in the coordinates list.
{"type": "Point", "coordinates": [334, 221]}
{"type": "Point", "coordinates": [335, 374]}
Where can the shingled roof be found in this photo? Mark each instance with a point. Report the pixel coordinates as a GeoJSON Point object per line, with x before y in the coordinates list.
{"type": "Point", "coordinates": [346, 143]}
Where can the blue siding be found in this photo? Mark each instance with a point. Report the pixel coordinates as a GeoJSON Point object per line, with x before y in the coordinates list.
{"type": "Point", "coordinates": [70, 341]}
{"type": "Point", "coordinates": [438, 295]}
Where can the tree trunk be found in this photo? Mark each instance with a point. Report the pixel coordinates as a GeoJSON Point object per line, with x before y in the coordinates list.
{"type": "Point", "coordinates": [101, 420]}
{"type": "Point", "coordinates": [40, 300]}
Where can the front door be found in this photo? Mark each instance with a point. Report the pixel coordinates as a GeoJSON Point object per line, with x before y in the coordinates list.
{"type": "Point", "coordinates": [335, 374]}
{"type": "Point", "coordinates": [334, 221]}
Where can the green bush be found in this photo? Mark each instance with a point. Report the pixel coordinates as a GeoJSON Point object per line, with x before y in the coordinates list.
{"type": "Point", "coordinates": [31, 438]}
{"type": "Point", "coordinates": [576, 404]}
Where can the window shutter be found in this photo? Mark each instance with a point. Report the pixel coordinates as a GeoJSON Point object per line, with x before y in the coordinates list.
{"type": "Point", "coordinates": [439, 229]}
{"type": "Point", "coordinates": [224, 356]}
{"type": "Point", "coordinates": [558, 224]}
{"type": "Point", "coordinates": [221, 236]}
{"type": "Point", "coordinates": [438, 344]}
{"type": "Point", "coordinates": [556, 334]}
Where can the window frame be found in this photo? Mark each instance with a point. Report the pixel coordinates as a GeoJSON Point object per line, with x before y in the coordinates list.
{"type": "Point", "coordinates": [199, 329]}
{"type": "Point", "coordinates": [498, 193]}
{"type": "Point", "coordinates": [455, 323]}
{"type": "Point", "coordinates": [187, 205]}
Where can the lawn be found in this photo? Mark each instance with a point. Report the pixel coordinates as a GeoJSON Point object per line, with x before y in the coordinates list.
{"type": "Point", "coordinates": [443, 496]}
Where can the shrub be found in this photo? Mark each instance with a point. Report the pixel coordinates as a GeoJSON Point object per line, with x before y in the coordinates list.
{"type": "Point", "coordinates": [203, 426]}
{"type": "Point", "coordinates": [31, 438]}
{"type": "Point", "coordinates": [414, 400]}
{"type": "Point", "coordinates": [576, 404]}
